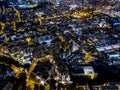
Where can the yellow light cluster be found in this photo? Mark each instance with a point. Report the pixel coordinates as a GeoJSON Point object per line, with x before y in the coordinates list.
{"type": "Point", "coordinates": [80, 14]}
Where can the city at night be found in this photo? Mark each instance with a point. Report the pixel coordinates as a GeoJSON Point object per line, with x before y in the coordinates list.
{"type": "Point", "coordinates": [59, 44]}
